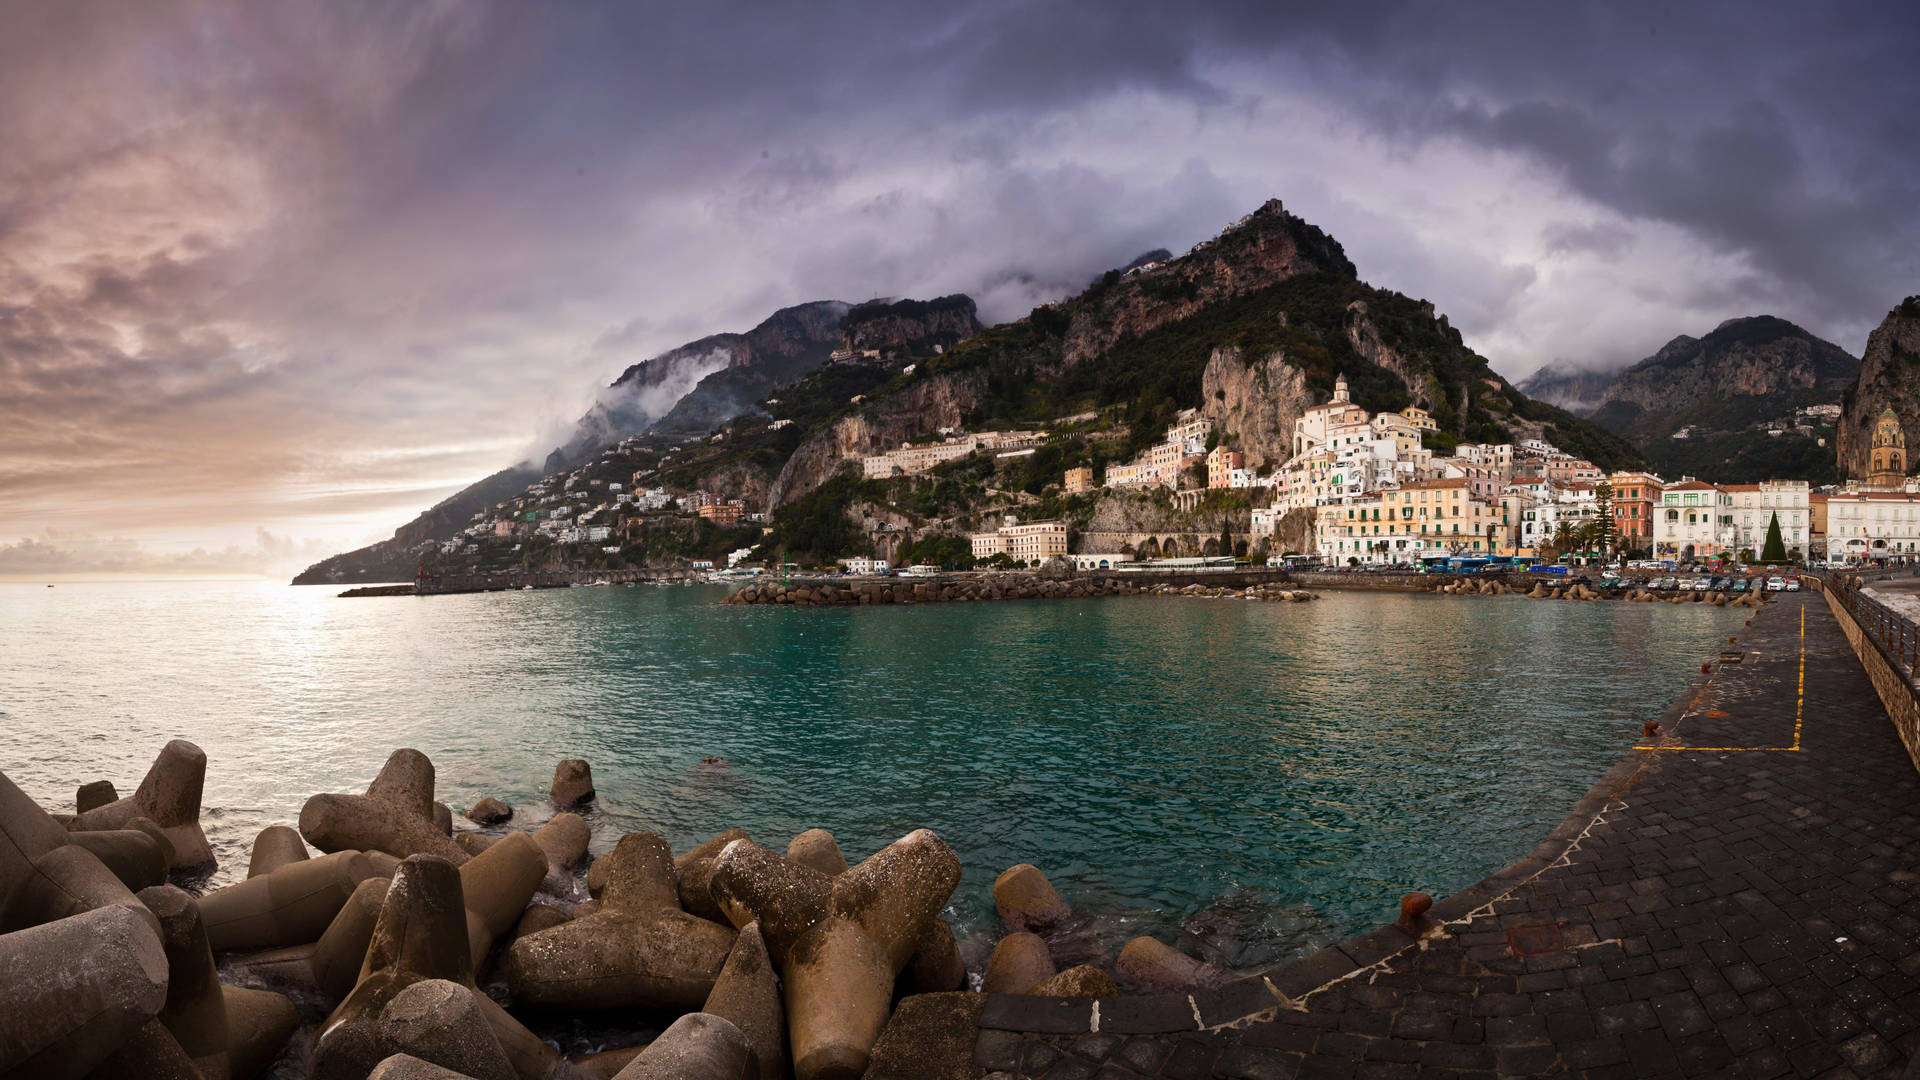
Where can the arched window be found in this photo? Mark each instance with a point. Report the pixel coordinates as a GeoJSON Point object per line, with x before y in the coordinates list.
{"type": "Point", "coordinates": [1673, 515]}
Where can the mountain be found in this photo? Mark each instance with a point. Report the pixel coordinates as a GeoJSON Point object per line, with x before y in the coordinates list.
{"type": "Point", "coordinates": [1755, 368]}
{"type": "Point", "coordinates": [690, 389]}
{"type": "Point", "coordinates": [1250, 327]}
{"type": "Point", "coordinates": [686, 392]}
{"type": "Point", "coordinates": [395, 559]}
{"type": "Point", "coordinates": [1889, 376]}
{"type": "Point", "coordinates": [1576, 390]}
{"type": "Point", "coordinates": [1723, 406]}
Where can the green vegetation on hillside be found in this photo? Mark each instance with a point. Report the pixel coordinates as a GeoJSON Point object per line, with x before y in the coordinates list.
{"type": "Point", "coordinates": [1746, 457]}
{"type": "Point", "coordinates": [1149, 378]}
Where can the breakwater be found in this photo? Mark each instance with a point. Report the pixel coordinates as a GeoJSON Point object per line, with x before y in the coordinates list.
{"type": "Point", "coordinates": [972, 587]}
{"type": "Point", "coordinates": [769, 957]}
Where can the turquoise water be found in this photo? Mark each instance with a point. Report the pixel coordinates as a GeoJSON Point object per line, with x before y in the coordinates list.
{"type": "Point", "coordinates": [1262, 777]}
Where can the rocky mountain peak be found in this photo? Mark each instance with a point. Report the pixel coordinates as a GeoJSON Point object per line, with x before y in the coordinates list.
{"type": "Point", "coordinates": [1889, 378]}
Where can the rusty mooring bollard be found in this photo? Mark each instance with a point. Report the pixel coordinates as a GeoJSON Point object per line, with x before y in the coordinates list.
{"type": "Point", "coordinates": [1412, 906]}
{"type": "Point", "coordinates": [1651, 730]}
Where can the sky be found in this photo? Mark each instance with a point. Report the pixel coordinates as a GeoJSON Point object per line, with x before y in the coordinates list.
{"type": "Point", "coordinates": [275, 276]}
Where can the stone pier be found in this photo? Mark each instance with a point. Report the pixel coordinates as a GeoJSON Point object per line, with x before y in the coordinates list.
{"type": "Point", "coordinates": [1739, 896]}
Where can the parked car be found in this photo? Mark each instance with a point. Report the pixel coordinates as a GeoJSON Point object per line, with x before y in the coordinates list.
{"type": "Point", "coordinates": [1776, 584]}
{"type": "Point", "coordinates": [1793, 584]}
{"type": "Point", "coordinates": [1665, 584]}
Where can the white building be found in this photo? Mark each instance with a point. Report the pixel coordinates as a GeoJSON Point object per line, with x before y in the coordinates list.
{"type": "Point", "coordinates": [1098, 562]}
{"type": "Point", "coordinates": [1694, 520]}
{"type": "Point", "coordinates": [1754, 506]}
{"type": "Point", "coordinates": [1266, 519]}
{"type": "Point", "coordinates": [864, 566]}
{"type": "Point", "coordinates": [1873, 524]}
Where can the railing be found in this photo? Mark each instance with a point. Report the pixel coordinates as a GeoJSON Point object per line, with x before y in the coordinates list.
{"type": "Point", "coordinates": [1897, 635]}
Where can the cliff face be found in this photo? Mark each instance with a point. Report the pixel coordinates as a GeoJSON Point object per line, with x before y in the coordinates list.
{"type": "Point", "coordinates": [910, 328]}
{"type": "Point", "coordinates": [1889, 375]}
{"type": "Point", "coordinates": [1255, 403]}
{"type": "Point", "coordinates": [921, 408]}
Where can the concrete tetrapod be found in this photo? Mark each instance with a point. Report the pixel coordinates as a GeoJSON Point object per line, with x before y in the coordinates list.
{"type": "Point", "coordinates": [74, 990]}
{"type": "Point", "coordinates": [564, 839]}
{"type": "Point", "coordinates": [396, 815]}
{"type": "Point", "coordinates": [839, 975]}
{"type": "Point", "coordinates": [838, 988]}
{"type": "Point", "coordinates": [196, 1012]}
{"type": "Point", "coordinates": [1019, 963]}
{"type": "Point", "coordinates": [342, 949]}
{"type": "Point", "coordinates": [497, 884]}
{"type": "Point", "coordinates": [26, 833]}
{"type": "Point", "coordinates": [408, 1067]}
{"type": "Point", "coordinates": [150, 1053]}
{"type": "Point", "coordinates": [473, 843]}
{"type": "Point", "coordinates": [275, 847]}
{"type": "Point", "coordinates": [133, 855]}
{"type": "Point", "coordinates": [170, 795]}
{"type": "Point", "coordinates": [698, 1046]}
{"type": "Point", "coordinates": [899, 890]}
{"type": "Point", "coordinates": [440, 1022]}
{"type": "Point", "coordinates": [937, 966]}
{"type": "Point", "coordinates": [1158, 966]}
{"type": "Point", "coordinates": [290, 906]}
{"type": "Point", "coordinates": [572, 783]}
{"type": "Point", "coordinates": [695, 868]}
{"type": "Point", "coordinates": [637, 949]}
{"type": "Point", "coordinates": [96, 794]}
{"type": "Point", "coordinates": [64, 882]}
{"type": "Point", "coordinates": [1026, 900]}
{"type": "Point", "coordinates": [816, 849]}
{"type": "Point", "coordinates": [750, 883]}
{"type": "Point", "coordinates": [748, 995]}
{"type": "Point", "coordinates": [262, 1023]}
{"type": "Point", "coordinates": [421, 933]}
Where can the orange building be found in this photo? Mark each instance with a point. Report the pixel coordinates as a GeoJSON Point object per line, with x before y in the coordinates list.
{"type": "Point", "coordinates": [1635, 494]}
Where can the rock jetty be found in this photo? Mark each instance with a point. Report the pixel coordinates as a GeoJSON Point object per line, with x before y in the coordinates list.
{"type": "Point", "coordinates": [783, 960]}
{"type": "Point", "coordinates": [982, 588]}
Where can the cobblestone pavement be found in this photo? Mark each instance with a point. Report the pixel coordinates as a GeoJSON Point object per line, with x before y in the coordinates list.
{"type": "Point", "coordinates": [1751, 910]}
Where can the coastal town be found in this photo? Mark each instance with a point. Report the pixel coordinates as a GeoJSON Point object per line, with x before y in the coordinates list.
{"type": "Point", "coordinates": [1359, 489]}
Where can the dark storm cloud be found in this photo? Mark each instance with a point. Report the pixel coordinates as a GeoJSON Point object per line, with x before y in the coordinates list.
{"type": "Point", "coordinates": [264, 264]}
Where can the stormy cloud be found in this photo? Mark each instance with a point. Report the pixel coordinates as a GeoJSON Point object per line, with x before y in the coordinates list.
{"type": "Point", "coordinates": [309, 267]}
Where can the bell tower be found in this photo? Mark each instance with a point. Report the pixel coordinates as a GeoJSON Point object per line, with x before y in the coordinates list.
{"type": "Point", "coordinates": [1887, 469]}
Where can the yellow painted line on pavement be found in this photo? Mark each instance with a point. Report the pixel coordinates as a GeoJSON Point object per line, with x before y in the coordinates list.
{"type": "Point", "coordinates": [1799, 711]}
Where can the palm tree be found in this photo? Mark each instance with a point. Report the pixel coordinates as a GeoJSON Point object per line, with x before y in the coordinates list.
{"type": "Point", "coordinates": [1566, 537]}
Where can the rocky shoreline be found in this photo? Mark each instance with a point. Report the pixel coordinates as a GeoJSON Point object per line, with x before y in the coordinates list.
{"type": "Point", "coordinates": [1577, 591]}
{"type": "Point", "coordinates": [383, 955]}
{"type": "Point", "coordinates": [993, 587]}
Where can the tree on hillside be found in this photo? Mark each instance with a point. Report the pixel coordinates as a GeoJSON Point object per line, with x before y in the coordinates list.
{"type": "Point", "coordinates": [1775, 550]}
{"type": "Point", "coordinates": [1226, 538]}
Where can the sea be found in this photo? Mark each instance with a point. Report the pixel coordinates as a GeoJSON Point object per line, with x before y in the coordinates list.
{"type": "Point", "coordinates": [1249, 780]}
